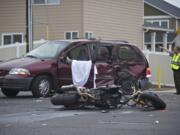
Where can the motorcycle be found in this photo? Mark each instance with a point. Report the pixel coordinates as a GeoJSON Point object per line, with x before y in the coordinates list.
{"type": "Point", "coordinates": [106, 97]}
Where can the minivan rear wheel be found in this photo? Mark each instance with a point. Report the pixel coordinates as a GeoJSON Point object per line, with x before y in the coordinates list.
{"type": "Point", "coordinates": [9, 93]}
{"type": "Point", "coordinates": [41, 86]}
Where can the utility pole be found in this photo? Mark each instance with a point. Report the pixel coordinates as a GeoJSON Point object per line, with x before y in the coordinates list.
{"type": "Point", "coordinates": [27, 30]}
{"type": "Point", "coordinates": [29, 26]}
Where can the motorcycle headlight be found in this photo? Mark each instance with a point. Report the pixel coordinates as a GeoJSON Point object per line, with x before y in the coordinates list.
{"type": "Point", "coordinates": [19, 71]}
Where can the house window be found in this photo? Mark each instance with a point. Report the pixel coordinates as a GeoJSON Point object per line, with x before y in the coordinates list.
{"type": "Point", "coordinates": [11, 38]}
{"type": "Point", "coordinates": [164, 24]}
{"type": "Point", "coordinates": [39, 2]}
{"type": "Point", "coordinates": [159, 23]}
{"type": "Point", "coordinates": [88, 35]}
{"type": "Point", "coordinates": [69, 35]}
{"type": "Point", "coordinates": [156, 23]}
{"type": "Point", "coordinates": [7, 39]}
{"type": "Point", "coordinates": [46, 2]}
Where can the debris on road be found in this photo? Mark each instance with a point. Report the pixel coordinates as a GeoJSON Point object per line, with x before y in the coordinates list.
{"type": "Point", "coordinates": [156, 122]}
{"type": "Point", "coordinates": [39, 100]}
{"type": "Point", "coordinates": [104, 111]}
{"type": "Point", "coordinates": [44, 124]}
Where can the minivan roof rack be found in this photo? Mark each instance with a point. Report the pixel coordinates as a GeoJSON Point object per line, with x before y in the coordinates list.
{"type": "Point", "coordinates": [84, 38]}
{"type": "Point", "coordinates": [116, 41]}
{"type": "Point", "coordinates": [122, 41]}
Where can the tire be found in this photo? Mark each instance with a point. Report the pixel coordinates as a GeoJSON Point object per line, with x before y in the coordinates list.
{"type": "Point", "coordinates": [41, 86]}
{"type": "Point", "coordinates": [67, 100]}
{"type": "Point", "coordinates": [154, 99]}
{"type": "Point", "coordinates": [10, 93]}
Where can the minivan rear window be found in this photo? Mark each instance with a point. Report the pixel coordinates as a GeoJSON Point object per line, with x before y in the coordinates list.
{"type": "Point", "coordinates": [128, 53]}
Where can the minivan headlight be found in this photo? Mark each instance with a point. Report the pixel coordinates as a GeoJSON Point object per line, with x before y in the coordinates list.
{"type": "Point", "coordinates": [19, 71]}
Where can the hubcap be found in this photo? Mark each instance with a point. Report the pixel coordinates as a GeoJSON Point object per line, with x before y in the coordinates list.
{"type": "Point", "coordinates": [44, 87]}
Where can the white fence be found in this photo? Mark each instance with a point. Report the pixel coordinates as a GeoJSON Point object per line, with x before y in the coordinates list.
{"type": "Point", "coordinates": [160, 68]}
{"type": "Point", "coordinates": [15, 50]}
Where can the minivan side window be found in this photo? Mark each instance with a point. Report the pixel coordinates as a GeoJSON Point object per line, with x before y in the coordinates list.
{"type": "Point", "coordinates": [79, 53]}
{"type": "Point", "coordinates": [103, 52]}
{"type": "Point", "coordinates": [128, 53]}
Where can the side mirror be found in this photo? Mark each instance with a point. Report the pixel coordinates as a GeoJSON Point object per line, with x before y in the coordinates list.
{"type": "Point", "coordinates": [62, 59]}
{"type": "Point", "coordinates": [65, 60]}
{"type": "Point", "coordinates": [68, 60]}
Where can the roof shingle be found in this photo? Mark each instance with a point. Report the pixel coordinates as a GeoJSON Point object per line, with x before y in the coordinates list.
{"type": "Point", "coordinates": [165, 7]}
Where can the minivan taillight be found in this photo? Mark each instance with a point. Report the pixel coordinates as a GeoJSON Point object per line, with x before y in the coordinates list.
{"type": "Point", "coordinates": [148, 72]}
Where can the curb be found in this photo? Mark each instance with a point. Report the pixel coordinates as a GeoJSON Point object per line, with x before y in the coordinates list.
{"type": "Point", "coordinates": [165, 91]}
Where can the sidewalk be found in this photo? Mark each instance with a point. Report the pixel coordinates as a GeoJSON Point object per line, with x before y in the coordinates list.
{"type": "Point", "coordinates": [163, 90]}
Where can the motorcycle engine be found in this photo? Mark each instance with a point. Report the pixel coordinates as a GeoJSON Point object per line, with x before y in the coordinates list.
{"type": "Point", "coordinates": [110, 96]}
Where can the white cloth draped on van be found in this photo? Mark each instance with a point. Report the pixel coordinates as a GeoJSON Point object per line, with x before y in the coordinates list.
{"type": "Point", "coordinates": [81, 71]}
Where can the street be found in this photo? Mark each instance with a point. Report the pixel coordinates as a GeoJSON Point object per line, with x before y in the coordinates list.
{"type": "Point", "coordinates": [25, 115]}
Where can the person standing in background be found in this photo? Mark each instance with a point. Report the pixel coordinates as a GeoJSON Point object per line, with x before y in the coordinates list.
{"type": "Point", "coordinates": [175, 66]}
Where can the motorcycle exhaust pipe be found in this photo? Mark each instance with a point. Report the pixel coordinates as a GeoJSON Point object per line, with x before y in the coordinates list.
{"type": "Point", "coordinates": [68, 88]}
{"type": "Point", "coordinates": [65, 99]}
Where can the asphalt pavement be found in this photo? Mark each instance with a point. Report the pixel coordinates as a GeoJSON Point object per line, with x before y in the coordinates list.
{"type": "Point", "coordinates": [25, 115]}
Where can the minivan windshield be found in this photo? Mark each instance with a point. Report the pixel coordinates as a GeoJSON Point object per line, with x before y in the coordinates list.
{"type": "Point", "coordinates": [49, 49]}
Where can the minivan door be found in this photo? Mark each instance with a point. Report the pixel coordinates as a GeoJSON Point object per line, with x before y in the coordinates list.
{"type": "Point", "coordinates": [104, 62]}
{"type": "Point", "coordinates": [80, 52]}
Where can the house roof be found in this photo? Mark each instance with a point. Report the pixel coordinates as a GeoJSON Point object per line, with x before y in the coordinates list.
{"type": "Point", "coordinates": [164, 7]}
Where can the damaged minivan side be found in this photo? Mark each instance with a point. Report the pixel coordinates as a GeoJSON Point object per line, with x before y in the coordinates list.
{"type": "Point", "coordinates": [45, 69]}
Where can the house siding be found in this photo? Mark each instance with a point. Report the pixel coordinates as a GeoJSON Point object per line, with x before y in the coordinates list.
{"type": "Point", "coordinates": [51, 21]}
{"type": "Point", "coordinates": [151, 11]}
{"type": "Point", "coordinates": [110, 19]}
{"type": "Point", "coordinates": [178, 24]}
{"type": "Point", "coordinates": [12, 17]}
{"type": "Point", "coordinates": [172, 23]}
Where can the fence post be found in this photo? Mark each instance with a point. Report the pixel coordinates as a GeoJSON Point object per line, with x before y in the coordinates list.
{"type": "Point", "coordinates": [153, 41]}
{"type": "Point", "coordinates": [17, 49]}
{"type": "Point", "coordinates": [159, 77]}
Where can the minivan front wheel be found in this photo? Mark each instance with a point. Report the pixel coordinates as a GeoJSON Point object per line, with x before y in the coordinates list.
{"type": "Point", "coordinates": [41, 86]}
{"type": "Point", "coordinates": [9, 93]}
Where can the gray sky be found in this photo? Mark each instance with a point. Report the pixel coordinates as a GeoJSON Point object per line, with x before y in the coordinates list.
{"type": "Point", "coordinates": [174, 2]}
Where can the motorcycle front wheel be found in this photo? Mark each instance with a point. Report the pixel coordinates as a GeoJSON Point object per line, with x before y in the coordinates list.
{"type": "Point", "coordinates": [151, 100]}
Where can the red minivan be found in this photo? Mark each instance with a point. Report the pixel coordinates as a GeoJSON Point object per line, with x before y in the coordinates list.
{"type": "Point", "coordinates": [45, 69]}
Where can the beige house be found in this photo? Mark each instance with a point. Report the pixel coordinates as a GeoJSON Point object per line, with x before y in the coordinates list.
{"type": "Point", "coordinates": [68, 19]}
{"type": "Point", "coordinates": [161, 21]}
